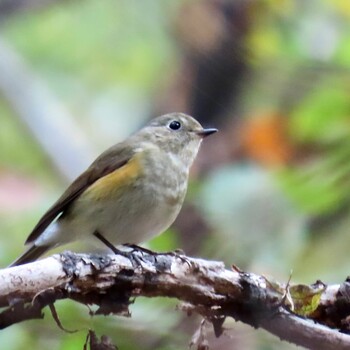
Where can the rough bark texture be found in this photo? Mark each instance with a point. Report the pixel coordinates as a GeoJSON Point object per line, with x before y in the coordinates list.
{"type": "Point", "coordinates": [205, 287]}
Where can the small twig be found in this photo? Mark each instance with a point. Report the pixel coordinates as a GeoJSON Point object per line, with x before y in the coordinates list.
{"type": "Point", "coordinates": [58, 321]}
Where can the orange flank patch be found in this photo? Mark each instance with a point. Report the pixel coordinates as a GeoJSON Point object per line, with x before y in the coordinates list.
{"type": "Point", "coordinates": [266, 140]}
{"type": "Point", "coordinates": [112, 182]}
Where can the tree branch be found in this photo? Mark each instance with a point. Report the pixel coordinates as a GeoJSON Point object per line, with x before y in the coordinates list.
{"type": "Point", "coordinates": [205, 287]}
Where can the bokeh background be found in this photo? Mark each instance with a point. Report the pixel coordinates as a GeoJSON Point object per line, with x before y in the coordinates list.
{"type": "Point", "coordinates": [269, 193]}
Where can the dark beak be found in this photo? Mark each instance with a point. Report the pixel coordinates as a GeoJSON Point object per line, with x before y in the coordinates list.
{"type": "Point", "coordinates": [206, 132]}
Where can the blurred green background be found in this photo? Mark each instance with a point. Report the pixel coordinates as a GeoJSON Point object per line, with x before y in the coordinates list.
{"type": "Point", "coordinates": [269, 193]}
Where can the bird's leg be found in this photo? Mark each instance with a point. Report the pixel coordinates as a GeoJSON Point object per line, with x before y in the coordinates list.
{"type": "Point", "coordinates": [137, 248]}
{"type": "Point", "coordinates": [134, 260]}
{"type": "Point", "coordinates": [146, 254]}
{"type": "Point", "coordinates": [106, 242]}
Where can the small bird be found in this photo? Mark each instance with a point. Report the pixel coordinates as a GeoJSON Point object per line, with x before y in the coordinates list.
{"type": "Point", "coordinates": [132, 192]}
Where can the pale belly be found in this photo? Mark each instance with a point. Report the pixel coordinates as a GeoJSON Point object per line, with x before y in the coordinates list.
{"type": "Point", "coordinates": [125, 219]}
{"type": "Point", "coordinates": [125, 211]}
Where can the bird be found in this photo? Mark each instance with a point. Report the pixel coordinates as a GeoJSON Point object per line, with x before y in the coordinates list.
{"type": "Point", "coordinates": [132, 192]}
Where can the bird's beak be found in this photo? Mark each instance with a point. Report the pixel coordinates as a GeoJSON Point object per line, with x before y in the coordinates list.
{"type": "Point", "coordinates": [206, 132]}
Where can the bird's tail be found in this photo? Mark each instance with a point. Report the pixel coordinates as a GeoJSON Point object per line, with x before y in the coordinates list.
{"type": "Point", "coordinates": [33, 253]}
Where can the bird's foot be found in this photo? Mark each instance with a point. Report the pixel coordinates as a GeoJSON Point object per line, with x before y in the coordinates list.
{"type": "Point", "coordinates": [178, 253]}
{"type": "Point", "coordinates": [135, 260]}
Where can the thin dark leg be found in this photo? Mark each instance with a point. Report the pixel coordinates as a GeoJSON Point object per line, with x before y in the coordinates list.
{"type": "Point", "coordinates": [107, 243]}
{"type": "Point", "coordinates": [135, 247]}
{"type": "Point", "coordinates": [135, 261]}
{"type": "Point", "coordinates": [177, 253]}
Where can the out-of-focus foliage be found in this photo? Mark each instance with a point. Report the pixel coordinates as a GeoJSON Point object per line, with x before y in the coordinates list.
{"type": "Point", "coordinates": [100, 41]}
{"type": "Point", "coordinates": [269, 193]}
{"type": "Point", "coordinates": [16, 145]}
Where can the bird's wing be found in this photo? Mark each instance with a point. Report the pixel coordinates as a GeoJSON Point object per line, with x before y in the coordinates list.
{"type": "Point", "coordinates": [109, 161]}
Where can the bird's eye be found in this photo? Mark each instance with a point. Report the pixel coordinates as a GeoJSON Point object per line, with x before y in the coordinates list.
{"type": "Point", "coordinates": [174, 125]}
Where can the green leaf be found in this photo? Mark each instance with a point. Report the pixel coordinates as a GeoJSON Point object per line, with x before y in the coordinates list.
{"type": "Point", "coordinates": [306, 298]}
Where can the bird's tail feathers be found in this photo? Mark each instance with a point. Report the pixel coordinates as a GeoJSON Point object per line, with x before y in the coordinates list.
{"type": "Point", "coordinates": [33, 253]}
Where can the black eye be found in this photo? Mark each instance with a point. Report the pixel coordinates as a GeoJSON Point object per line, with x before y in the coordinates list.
{"type": "Point", "coordinates": [175, 125]}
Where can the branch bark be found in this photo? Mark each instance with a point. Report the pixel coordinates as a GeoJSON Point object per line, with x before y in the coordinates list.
{"type": "Point", "coordinates": [205, 287]}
